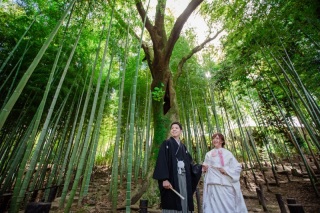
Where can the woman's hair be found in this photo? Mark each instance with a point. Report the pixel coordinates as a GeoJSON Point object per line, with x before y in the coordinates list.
{"type": "Point", "coordinates": [176, 122]}
{"type": "Point", "coordinates": [220, 136]}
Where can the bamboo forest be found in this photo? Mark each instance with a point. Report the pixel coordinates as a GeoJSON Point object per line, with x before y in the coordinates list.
{"type": "Point", "coordinates": [89, 88]}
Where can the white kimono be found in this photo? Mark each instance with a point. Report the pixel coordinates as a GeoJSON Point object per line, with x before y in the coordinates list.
{"type": "Point", "coordinates": [222, 193]}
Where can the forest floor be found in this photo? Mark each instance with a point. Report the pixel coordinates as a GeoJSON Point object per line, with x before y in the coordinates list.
{"type": "Point", "coordinates": [298, 187]}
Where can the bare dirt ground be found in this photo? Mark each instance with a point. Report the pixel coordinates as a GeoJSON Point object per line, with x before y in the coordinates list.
{"type": "Point", "coordinates": [298, 187]}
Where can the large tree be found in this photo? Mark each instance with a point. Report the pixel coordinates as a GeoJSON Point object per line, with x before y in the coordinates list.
{"type": "Point", "coordinates": [158, 57]}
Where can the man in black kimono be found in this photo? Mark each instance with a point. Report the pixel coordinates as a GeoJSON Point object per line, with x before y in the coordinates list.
{"type": "Point", "coordinates": [175, 169]}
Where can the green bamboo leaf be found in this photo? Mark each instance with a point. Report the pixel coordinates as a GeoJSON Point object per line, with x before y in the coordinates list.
{"type": "Point", "coordinates": [9, 105]}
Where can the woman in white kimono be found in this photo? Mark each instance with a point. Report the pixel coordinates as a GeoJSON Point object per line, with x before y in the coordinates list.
{"type": "Point", "coordinates": [222, 193]}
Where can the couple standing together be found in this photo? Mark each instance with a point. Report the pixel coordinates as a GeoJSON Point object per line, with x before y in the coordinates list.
{"type": "Point", "coordinates": [178, 177]}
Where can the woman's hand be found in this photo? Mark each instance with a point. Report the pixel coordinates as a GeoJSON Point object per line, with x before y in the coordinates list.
{"type": "Point", "coordinates": [222, 171]}
{"type": "Point", "coordinates": [204, 168]}
{"type": "Point", "coordinates": [166, 184]}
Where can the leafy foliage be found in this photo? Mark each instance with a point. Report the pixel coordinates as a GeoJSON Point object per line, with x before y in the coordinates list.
{"type": "Point", "coordinates": [158, 93]}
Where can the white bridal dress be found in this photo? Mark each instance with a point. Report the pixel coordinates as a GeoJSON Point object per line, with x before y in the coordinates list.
{"type": "Point", "coordinates": [222, 193]}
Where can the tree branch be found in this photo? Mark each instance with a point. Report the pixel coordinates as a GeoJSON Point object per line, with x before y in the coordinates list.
{"type": "Point", "coordinates": [143, 15]}
{"type": "Point", "coordinates": [176, 30]}
{"type": "Point", "coordinates": [151, 29]}
{"type": "Point", "coordinates": [124, 25]}
{"type": "Point", "coordinates": [194, 51]}
{"type": "Point", "coordinates": [159, 19]}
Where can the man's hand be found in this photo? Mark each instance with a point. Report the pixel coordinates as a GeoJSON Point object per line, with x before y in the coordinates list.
{"type": "Point", "coordinates": [166, 184]}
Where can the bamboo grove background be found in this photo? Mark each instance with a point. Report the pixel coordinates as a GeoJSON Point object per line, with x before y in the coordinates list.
{"type": "Point", "coordinates": [75, 91]}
